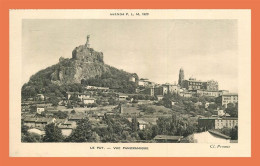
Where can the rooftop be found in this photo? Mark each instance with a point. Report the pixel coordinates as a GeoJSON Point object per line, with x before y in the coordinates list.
{"type": "Point", "coordinates": [86, 98]}
{"type": "Point", "coordinates": [123, 94]}
{"type": "Point", "coordinates": [229, 118]}
{"type": "Point", "coordinates": [77, 93]}
{"type": "Point", "coordinates": [44, 120]}
{"type": "Point", "coordinates": [230, 94]}
{"type": "Point", "coordinates": [206, 118]}
{"type": "Point", "coordinates": [218, 134]}
{"type": "Point", "coordinates": [76, 117]}
{"type": "Point", "coordinates": [29, 119]}
{"type": "Point", "coordinates": [39, 120]}
{"type": "Point", "coordinates": [64, 127]}
{"type": "Point", "coordinates": [167, 137]}
{"type": "Point", "coordinates": [141, 121]}
{"type": "Point", "coordinates": [68, 123]}
{"type": "Point", "coordinates": [214, 118]}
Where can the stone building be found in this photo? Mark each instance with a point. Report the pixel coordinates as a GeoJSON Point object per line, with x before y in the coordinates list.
{"type": "Point", "coordinates": [162, 90]}
{"type": "Point", "coordinates": [193, 84]}
{"type": "Point", "coordinates": [154, 91]}
{"type": "Point", "coordinates": [172, 88]}
{"type": "Point", "coordinates": [87, 100]}
{"type": "Point", "coordinates": [208, 93]}
{"type": "Point", "coordinates": [217, 123]}
{"type": "Point", "coordinates": [132, 79]}
{"type": "Point", "coordinates": [228, 98]}
{"type": "Point", "coordinates": [212, 85]}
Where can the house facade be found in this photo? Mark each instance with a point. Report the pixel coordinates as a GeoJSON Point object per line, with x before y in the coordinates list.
{"type": "Point", "coordinates": [229, 98]}
{"type": "Point", "coordinates": [217, 123]}
{"type": "Point", "coordinates": [39, 110]}
{"type": "Point", "coordinates": [88, 100]}
{"type": "Point", "coordinates": [193, 84]}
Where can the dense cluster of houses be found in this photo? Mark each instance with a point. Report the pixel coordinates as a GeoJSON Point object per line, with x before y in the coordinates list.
{"type": "Point", "coordinates": [37, 124]}
{"type": "Point", "coordinates": [186, 88]}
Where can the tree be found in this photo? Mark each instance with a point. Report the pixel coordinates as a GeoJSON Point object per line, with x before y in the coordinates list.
{"type": "Point", "coordinates": [60, 114]}
{"type": "Point", "coordinates": [74, 98]}
{"type": "Point", "coordinates": [112, 101]}
{"type": "Point", "coordinates": [232, 109]}
{"type": "Point", "coordinates": [69, 105]}
{"type": "Point", "coordinates": [207, 114]}
{"type": "Point", "coordinates": [212, 106]}
{"type": "Point", "coordinates": [31, 137]}
{"type": "Point", "coordinates": [218, 101]}
{"type": "Point", "coordinates": [33, 109]}
{"type": "Point", "coordinates": [82, 133]}
{"type": "Point", "coordinates": [234, 133]}
{"type": "Point", "coordinates": [163, 123]}
{"type": "Point", "coordinates": [155, 130]}
{"type": "Point", "coordinates": [52, 133]}
{"type": "Point", "coordinates": [194, 99]}
{"type": "Point", "coordinates": [73, 112]}
{"type": "Point", "coordinates": [24, 129]}
{"type": "Point", "coordinates": [135, 125]}
{"type": "Point", "coordinates": [54, 100]}
{"type": "Point", "coordinates": [126, 136]}
{"type": "Point", "coordinates": [225, 131]}
{"type": "Point", "coordinates": [189, 130]}
{"type": "Point", "coordinates": [146, 133]}
{"type": "Point", "coordinates": [150, 110]}
{"type": "Point", "coordinates": [95, 137]}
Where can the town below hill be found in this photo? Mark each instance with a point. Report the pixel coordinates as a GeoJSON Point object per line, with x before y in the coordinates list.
{"type": "Point", "coordinates": [84, 100]}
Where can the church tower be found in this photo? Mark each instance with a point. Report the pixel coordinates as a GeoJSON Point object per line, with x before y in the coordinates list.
{"type": "Point", "coordinates": [181, 76]}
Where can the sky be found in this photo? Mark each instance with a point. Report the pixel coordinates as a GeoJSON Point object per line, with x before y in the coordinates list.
{"type": "Point", "coordinates": [154, 49]}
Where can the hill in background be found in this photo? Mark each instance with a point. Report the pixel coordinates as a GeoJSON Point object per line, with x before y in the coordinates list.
{"type": "Point", "coordinates": [86, 67]}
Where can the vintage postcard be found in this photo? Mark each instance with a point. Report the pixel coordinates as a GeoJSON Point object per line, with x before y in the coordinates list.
{"type": "Point", "coordinates": [130, 83]}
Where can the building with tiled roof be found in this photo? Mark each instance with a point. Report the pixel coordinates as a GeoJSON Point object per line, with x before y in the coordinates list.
{"type": "Point", "coordinates": [167, 139]}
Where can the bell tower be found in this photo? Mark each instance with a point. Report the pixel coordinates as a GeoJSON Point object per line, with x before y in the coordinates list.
{"type": "Point", "coordinates": [181, 76]}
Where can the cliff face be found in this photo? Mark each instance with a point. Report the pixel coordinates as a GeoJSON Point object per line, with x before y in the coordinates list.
{"type": "Point", "coordinates": [83, 53]}
{"type": "Point", "coordinates": [73, 71]}
{"type": "Point", "coordinates": [86, 63]}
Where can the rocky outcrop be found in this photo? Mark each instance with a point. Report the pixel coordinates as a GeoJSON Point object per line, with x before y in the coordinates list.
{"type": "Point", "coordinates": [73, 71]}
{"type": "Point", "coordinates": [85, 63]}
{"type": "Point", "coordinates": [85, 54]}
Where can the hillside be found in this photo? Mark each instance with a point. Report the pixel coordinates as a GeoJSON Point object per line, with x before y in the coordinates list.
{"type": "Point", "coordinates": [86, 67]}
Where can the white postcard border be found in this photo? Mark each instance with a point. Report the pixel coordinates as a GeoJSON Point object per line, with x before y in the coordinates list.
{"type": "Point", "coordinates": [240, 149]}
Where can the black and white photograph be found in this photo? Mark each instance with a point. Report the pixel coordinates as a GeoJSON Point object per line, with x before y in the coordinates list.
{"type": "Point", "coordinates": [131, 80]}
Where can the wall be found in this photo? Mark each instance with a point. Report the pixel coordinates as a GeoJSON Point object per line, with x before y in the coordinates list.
{"type": "Point", "coordinates": [66, 132]}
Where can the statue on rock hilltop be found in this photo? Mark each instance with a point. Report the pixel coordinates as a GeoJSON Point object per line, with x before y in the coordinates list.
{"type": "Point", "coordinates": [86, 54]}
